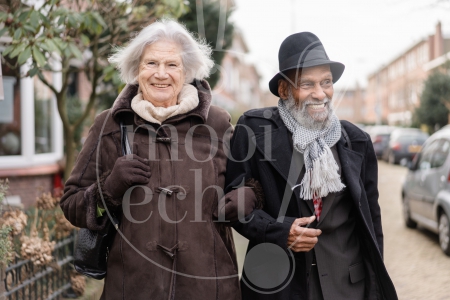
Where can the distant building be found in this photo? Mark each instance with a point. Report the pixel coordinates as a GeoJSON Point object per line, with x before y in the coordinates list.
{"type": "Point", "coordinates": [269, 99]}
{"type": "Point", "coordinates": [350, 105]}
{"type": "Point", "coordinates": [238, 87]}
{"type": "Point", "coordinates": [393, 91]}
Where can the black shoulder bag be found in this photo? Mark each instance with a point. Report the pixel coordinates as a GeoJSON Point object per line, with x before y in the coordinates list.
{"type": "Point", "coordinates": [92, 247]}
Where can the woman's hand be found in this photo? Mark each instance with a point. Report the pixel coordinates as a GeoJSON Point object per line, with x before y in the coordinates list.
{"type": "Point", "coordinates": [236, 204]}
{"type": "Point", "coordinates": [129, 170]}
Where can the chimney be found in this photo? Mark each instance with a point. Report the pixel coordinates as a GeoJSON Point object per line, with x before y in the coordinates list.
{"type": "Point", "coordinates": [438, 41]}
{"type": "Point", "coordinates": [431, 47]}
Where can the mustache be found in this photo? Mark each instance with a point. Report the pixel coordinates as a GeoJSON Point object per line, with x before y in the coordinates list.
{"type": "Point", "coordinates": [314, 102]}
{"type": "Point", "coordinates": [316, 121]}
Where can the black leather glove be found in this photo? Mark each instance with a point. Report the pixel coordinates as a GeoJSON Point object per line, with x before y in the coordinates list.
{"type": "Point", "coordinates": [128, 171]}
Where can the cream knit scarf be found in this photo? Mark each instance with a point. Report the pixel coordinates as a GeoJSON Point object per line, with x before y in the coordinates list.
{"type": "Point", "coordinates": [321, 176]}
{"type": "Point", "coordinates": [187, 101]}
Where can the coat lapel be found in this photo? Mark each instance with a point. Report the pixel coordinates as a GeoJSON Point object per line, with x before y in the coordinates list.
{"type": "Point", "coordinates": [309, 203]}
{"type": "Point", "coordinates": [329, 199]}
{"type": "Point", "coordinates": [351, 163]}
{"type": "Point", "coordinates": [277, 150]}
{"type": "Point", "coordinates": [327, 203]}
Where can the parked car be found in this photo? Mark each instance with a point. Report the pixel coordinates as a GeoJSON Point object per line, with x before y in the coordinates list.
{"type": "Point", "coordinates": [380, 135]}
{"type": "Point", "coordinates": [426, 190]}
{"type": "Point", "coordinates": [404, 144]}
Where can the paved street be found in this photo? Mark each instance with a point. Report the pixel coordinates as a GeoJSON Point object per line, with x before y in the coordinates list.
{"type": "Point", "coordinates": [418, 267]}
{"type": "Point", "coordinates": [414, 260]}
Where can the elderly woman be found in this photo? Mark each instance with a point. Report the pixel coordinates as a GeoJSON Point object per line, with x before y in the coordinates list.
{"type": "Point", "coordinates": [168, 245]}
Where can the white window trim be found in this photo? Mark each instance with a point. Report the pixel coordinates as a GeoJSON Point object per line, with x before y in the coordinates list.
{"type": "Point", "coordinates": [29, 158]}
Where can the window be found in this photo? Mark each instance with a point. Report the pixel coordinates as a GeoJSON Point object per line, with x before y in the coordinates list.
{"type": "Point", "coordinates": [245, 92]}
{"type": "Point", "coordinates": [426, 155]}
{"type": "Point", "coordinates": [31, 132]}
{"type": "Point", "coordinates": [10, 117]}
{"type": "Point", "coordinates": [434, 155]}
{"type": "Point", "coordinates": [43, 116]}
{"type": "Point", "coordinates": [393, 103]}
{"type": "Point", "coordinates": [345, 112]}
{"type": "Point", "coordinates": [441, 153]}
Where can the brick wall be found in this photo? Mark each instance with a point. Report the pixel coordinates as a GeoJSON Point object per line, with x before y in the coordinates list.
{"type": "Point", "coordinates": [29, 187]}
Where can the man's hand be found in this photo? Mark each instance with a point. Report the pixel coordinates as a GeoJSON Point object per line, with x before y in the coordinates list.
{"type": "Point", "coordinates": [302, 239]}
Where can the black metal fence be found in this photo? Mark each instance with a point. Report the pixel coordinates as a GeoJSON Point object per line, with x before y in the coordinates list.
{"type": "Point", "coordinates": [23, 280]}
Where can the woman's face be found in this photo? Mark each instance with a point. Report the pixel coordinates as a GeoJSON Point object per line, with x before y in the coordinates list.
{"type": "Point", "coordinates": [161, 74]}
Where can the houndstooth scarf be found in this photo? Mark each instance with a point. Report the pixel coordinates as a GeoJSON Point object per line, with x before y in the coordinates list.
{"type": "Point", "coordinates": [321, 176]}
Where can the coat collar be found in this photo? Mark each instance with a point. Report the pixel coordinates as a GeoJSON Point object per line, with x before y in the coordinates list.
{"type": "Point", "coordinates": [351, 163]}
{"type": "Point", "coordinates": [122, 104]}
{"type": "Point", "coordinates": [278, 151]}
{"type": "Point", "coordinates": [275, 143]}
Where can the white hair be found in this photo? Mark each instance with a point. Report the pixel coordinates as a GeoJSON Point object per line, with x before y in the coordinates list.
{"type": "Point", "coordinates": [196, 53]}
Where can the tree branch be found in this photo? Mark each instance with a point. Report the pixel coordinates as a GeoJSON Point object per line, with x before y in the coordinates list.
{"type": "Point", "coordinates": [61, 100]}
{"type": "Point", "coordinates": [44, 81]}
{"type": "Point", "coordinates": [96, 75]}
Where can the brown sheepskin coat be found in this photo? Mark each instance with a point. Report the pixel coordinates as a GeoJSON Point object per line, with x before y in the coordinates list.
{"type": "Point", "coordinates": [140, 265]}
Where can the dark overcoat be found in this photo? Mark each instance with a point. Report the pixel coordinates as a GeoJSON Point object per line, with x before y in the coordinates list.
{"type": "Point", "coordinates": [261, 148]}
{"type": "Point", "coordinates": [187, 156]}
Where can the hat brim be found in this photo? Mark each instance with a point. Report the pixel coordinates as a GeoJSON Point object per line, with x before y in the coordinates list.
{"type": "Point", "coordinates": [336, 69]}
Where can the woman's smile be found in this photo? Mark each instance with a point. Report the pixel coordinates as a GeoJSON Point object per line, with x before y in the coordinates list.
{"type": "Point", "coordinates": [161, 74]}
{"type": "Point", "coordinates": [160, 86]}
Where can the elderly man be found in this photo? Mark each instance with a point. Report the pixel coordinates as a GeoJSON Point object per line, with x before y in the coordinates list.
{"type": "Point", "coordinates": [318, 234]}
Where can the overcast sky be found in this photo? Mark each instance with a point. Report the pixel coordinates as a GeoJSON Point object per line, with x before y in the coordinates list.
{"type": "Point", "coordinates": [361, 34]}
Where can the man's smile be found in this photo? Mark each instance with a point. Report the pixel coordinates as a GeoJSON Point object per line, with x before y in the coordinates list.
{"type": "Point", "coordinates": [316, 106]}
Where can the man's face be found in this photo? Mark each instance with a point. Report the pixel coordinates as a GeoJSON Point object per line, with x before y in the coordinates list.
{"type": "Point", "coordinates": [309, 94]}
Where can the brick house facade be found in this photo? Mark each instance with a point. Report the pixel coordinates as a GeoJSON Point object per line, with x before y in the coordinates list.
{"type": "Point", "coordinates": [393, 91]}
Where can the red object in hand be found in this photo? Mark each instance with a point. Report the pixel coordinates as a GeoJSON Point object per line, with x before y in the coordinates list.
{"type": "Point", "coordinates": [317, 206]}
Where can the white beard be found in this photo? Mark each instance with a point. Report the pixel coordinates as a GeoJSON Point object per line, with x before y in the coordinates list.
{"type": "Point", "coordinates": [317, 121]}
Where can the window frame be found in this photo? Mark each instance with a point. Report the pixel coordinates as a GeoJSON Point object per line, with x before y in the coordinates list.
{"type": "Point", "coordinates": [28, 157]}
{"type": "Point", "coordinates": [439, 142]}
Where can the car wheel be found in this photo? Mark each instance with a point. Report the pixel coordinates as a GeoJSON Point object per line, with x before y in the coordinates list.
{"type": "Point", "coordinates": [410, 223]}
{"type": "Point", "coordinates": [391, 158]}
{"type": "Point", "coordinates": [444, 233]}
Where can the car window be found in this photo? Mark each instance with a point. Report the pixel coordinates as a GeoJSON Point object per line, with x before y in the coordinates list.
{"type": "Point", "coordinates": [426, 155]}
{"type": "Point", "coordinates": [412, 138]}
{"type": "Point", "coordinates": [440, 154]}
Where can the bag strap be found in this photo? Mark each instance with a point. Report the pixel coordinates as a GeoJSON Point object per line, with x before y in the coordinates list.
{"type": "Point", "coordinates": [126, 149]}
{"type": "Point", "coordinates": [346, 137]}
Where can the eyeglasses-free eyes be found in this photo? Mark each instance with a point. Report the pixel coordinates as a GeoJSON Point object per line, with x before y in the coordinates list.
{"type": "Point", "coordinates": [168, 66]}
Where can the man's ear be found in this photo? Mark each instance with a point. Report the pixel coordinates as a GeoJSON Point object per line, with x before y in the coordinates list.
{"type": "Point", "coordinates": [283, 89]}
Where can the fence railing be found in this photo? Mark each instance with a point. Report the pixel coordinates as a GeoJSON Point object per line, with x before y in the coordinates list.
{"type": "Point", "coordinates": [23, 280]}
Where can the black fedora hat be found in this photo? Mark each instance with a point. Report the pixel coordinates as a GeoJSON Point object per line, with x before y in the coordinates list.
{"type": "Point", "coordinates": [302, 50]}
